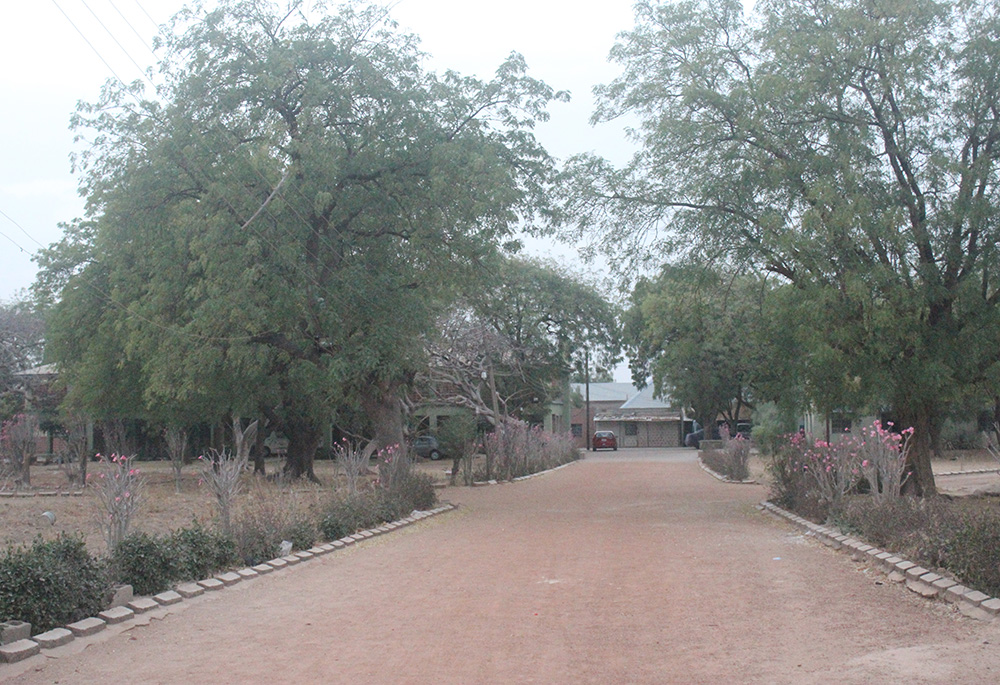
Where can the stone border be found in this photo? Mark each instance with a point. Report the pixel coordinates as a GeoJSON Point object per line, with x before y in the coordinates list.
{"type": "Point", "coordinates": [973, 472]}
{"type": "Point", "coordinates": [922, 581]}
{"type": "Point", "coordinates": [22, 646]}
{"type": "Point", "coordinates": [41, 493]}
{"type": "Point", "coordinates": [719, 476]}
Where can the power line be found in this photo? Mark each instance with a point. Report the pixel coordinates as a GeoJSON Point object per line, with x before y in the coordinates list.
{"type": "Point", "coordinates": [125, 19]}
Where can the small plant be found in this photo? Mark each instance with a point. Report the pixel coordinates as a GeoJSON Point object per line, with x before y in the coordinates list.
{"type": "Point", "coordinates": [353, 461]}
{"type": "Point", "coordinates": [735, 456]}
{"type": "Point", "coordinates": [198, 552]}
{"type": "Point", "coordinates": [221, 470]}
{"type": "Point", "coordinates": [120, 489]}
{"type": "Point", "coordinates": [17, 443]}
{"type": "Point", "coordinates": [394, 465]}
{"type": "Point", "coordinates": [177, 440]}
{"type": "Point", "coordinates": [517, 449]}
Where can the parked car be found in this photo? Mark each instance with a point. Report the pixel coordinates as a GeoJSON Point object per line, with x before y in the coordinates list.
{"type": "Point", "coordinates": [605, 440]}
{"type": "Point", "coordinates": [427, 446]}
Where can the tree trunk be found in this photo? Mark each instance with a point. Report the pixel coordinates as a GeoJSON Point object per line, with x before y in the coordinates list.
{"type": "Point", "coordinates": [921, 418]}
{"type": "Point", "coordinates": [385, 411]}
{"type": "Point", "coordinates": [259, 468]}
{"type": "Point", "coordinates": [303, 439]}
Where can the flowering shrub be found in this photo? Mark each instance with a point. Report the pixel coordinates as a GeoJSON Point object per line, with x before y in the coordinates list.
{"type": "Point", "coordinates": [120, 490]}
{"type": "Point", "coordinates": [882, 457]}
{"type": "Point", "coordinates": [393, 466]}
{"type": "Point", "coordinates": [833, 468]}
{"type": "Point", "coordinates": [353, 461]}
{"type": "Point", "coordinates": [516, 449]}
{"type": "Point", "coordinates": [732, 461]}
{"type": "Point", "coordinates": [816, 475]}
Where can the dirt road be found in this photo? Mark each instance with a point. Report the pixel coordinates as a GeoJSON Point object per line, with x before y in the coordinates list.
{"type": "Point", "coordinates": [630, 567]}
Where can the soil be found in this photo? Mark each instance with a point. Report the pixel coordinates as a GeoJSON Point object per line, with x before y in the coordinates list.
{"type": "Point", "coordinates": [628, 567]}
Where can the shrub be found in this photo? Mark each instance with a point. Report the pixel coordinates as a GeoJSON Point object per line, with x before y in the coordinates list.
{"type": "Point", "coordinates": [973, 552]}
{"type": "Point", "coordinates": [414, 492]}
{"type": "Point", "coordinates": [221, 470]}
{"type": "Point", "coordinates": [732, 460]}
{"type": "Point", "coordinates": [51, 583]}
{"type": "Point", "coordinates": [198, 553]}
{"type": "Point", "coordinates": [346, 514]}
{"type": "Point", "coordinates": [516, 449]}
{"type": "Point", "coordinates": [145, 562]}
{"type": "Point", "coordinates": [353, 461]}
{"type": "Point", "coordinates": [791, 488]}
{"type": "Point", "coordinates": [301, 533]}
{"type": "Point", "coordinates": [349, 513]}
{"type": "Point", "coordinates": [259, 525]}
{"type": "Point", "coordinates": [933, 533]}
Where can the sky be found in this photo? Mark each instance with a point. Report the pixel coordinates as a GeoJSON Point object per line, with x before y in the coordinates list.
{"type": "Point", "coordinates": [56, 53]}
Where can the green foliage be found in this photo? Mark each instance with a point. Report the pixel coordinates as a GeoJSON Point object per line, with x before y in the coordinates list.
{"type": "Point", "coordinates": [519, 331]}
{"type": "Point", "coordinates": [51, 583]}
{"type": "Point", "coordinates": [198, 553]}
{"type": "Point", "coordinates": [457, 436]}
{"type": "Point", "coordinates": [703, 338]}
{"type": "Point", "coordinates": [145, 562]}
{"type": "Point", "coordinates": [301, 533]}
{"type": "Point", "coordinates": [152, 564]}
{"type": "Point", "coordinates": [771, 428]}
{"type": "Point", "coordinates": [849, 152]}
{"type": "Point", "coordinates": [278, 228]}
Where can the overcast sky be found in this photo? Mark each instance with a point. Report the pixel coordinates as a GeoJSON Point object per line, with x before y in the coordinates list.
{"type": "Point", "coordinates": [48, 66]}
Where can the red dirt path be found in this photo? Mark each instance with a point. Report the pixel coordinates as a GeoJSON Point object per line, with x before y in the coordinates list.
{"type": "Point", "coordinates": [631, 567]}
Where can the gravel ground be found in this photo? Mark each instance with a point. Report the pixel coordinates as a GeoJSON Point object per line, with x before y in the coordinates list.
{"type": "Point", "coordinates": [628, 567]}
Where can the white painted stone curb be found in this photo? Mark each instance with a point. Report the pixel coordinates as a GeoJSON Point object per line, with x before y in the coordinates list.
{"type": "Point", "coordinates": [25, 648]}
{"type": "Point", "coordinates": [919, 580]}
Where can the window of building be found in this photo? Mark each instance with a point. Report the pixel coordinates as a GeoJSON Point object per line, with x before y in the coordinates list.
{"type": "Point", "coordinates": [577, 430]}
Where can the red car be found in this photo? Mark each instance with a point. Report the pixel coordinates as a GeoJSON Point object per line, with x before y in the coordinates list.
{"type": "Point", "coordinates": [604, 440]}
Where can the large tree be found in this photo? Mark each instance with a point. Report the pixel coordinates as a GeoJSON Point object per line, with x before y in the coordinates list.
{"type": "Point", "coordinates": [847, 146]}
{"type": "Point", "coordinates": [276, 228]}
{"type": "Point", "coordinates": [22, 338]}
{"type": "Point", "coordinates": [508, 347]}
{"type": "Point", "coordinates": [702, 337]}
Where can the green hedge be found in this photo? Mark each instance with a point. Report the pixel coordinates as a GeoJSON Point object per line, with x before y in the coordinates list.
{"type": "Point", "coordinates": [51, 583]}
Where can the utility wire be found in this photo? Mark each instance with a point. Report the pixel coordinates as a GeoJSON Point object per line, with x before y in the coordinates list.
{"type": "Point", "coordinates": [117, 42]}
{"type": "Point", "coordinates": [137, 35]}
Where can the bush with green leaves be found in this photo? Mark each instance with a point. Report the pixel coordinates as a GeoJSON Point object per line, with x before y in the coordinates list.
{"type": "Point", "coordinates": [152, 564]}
{"type": "Point", "coordinates": [51, 583]}
{"type": "Point", "coordinates": [199, 552]}
{"type": "Point", "coordinates": [145, 562]}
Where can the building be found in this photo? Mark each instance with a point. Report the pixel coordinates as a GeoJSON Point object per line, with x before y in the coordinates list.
{"type": "Point", "coordinates": [636, 417]}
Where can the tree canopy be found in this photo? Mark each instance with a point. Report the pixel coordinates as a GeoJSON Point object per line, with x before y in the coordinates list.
{"type": "Point", "coordinates": [848, 147]}
{"type": "Point", "coordinates": [509, 345]}
{"type": "Point", "coordinates": [276, 228]}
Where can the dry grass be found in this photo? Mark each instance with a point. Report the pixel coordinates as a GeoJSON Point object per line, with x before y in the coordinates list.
{"type": "Point", "coordinates": [21, 518]}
